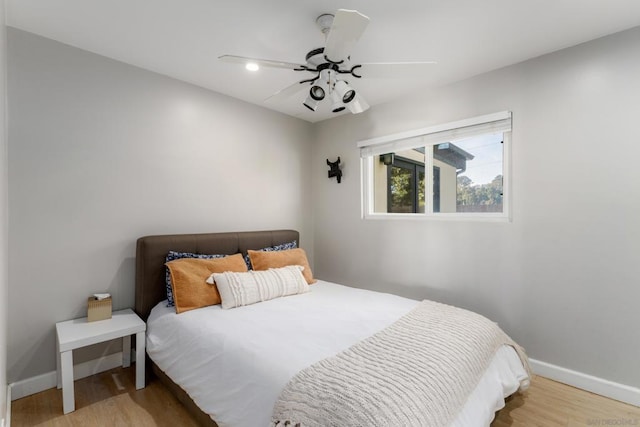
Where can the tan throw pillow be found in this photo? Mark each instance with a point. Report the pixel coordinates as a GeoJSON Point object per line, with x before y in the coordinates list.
{"type": "Point", "coordinates": [263, 260]}
{"type": "Point", "coordinates": [188, 280]}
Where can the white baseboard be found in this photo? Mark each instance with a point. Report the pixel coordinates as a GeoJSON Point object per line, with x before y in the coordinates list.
{"type": "Point", "coordinates": [610, 389]}
{"type": "Point", "coordinates": [43, 382]}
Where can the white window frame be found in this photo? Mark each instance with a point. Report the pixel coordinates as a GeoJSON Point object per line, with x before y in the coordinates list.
{"type": "Point", "coordinates": [426, 137]}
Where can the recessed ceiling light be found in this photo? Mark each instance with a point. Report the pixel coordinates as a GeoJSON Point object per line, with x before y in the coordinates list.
{"type": "Point", "coordinates": [252, 66]}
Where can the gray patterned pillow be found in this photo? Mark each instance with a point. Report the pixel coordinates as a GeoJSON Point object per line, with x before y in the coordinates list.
{"type": "Point", "coordinates": [282, 247]}
{"type": "Point", "coordinates": [172, 255]}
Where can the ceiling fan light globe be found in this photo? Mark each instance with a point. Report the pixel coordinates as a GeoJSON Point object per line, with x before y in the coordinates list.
{"type": "Point", "coordinates": [349, 96]}
{"type": "Point", "coordinates": [345, 91]}
{"type": "Point", "coordinates": [336, 102]}
{"type": "Point", "coordinates": [359, 105]}
{"type": "Point", "coordinates": [310, 103]}
{"type": "Point", "coordinates": [316, 93]}
{"type": "Point", "coordinates": [355, 107]}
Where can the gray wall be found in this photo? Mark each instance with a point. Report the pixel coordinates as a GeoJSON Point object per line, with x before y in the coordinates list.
{"type": "Point", "coordinates": [101, 153]}
{"type": "Point", "coordinates": [562, 278]}
{"type": "Point", "coordinates": [3, 216]}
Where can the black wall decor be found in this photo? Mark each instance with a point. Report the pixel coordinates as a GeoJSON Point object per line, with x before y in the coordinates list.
{"type": "Point", "coordinates": [334, 169]}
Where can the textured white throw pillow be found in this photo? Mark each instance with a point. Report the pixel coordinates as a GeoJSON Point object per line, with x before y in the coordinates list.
{"type": "Point", "coordinates": [238, 289]}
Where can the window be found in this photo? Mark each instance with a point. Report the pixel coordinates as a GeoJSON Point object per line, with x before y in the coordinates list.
{"type": "Point", "coordinates": [405, 184]}
{"type": "Point", "coordinates": [457, 170]}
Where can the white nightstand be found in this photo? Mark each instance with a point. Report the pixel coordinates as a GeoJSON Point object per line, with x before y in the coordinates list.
{"type": "Point", "coordinates": [78, 333]}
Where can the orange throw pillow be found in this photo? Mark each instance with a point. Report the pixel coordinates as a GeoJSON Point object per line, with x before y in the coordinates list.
{"type": "Point", "coordinates": [189, 275]}
{"type": "Point", "coordinates": [264, 260]}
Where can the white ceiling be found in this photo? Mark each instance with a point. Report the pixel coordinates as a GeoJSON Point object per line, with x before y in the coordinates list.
{"type": "Point", "coordinates": [183, 38]}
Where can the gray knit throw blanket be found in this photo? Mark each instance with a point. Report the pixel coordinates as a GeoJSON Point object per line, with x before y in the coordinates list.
{"type": "Point", "coordinates": [417, 372]}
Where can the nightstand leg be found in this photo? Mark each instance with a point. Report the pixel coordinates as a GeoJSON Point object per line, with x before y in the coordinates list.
{"type": "Point", "coordinates": [126, 351]}
{"type": "Point", "coordinates": [58, 371]}
{"type": "Point", "coordinates": [68, 400]}
{"type": "Point", "coordinates": [140, 359]}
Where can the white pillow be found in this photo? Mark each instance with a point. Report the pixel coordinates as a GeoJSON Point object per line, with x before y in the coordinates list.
{"type": "Point", "coordinates": [238, 289]}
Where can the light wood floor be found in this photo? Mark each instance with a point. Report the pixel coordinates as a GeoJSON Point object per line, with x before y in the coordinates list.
{"type": "Point", "coordinates": [110, 399]}
{"type": "Point", "coordinates": [106, 399]}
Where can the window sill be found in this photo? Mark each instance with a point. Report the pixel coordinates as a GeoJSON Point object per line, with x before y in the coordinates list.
{"type": "Point", "coordinates": [475, 217]}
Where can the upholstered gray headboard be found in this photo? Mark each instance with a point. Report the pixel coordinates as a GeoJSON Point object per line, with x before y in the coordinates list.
{"type": "Point", "coordinates": [152, 250]}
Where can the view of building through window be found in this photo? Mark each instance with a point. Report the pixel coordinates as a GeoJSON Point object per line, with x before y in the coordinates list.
{"type": "Point", "coordinates": [465, 176]}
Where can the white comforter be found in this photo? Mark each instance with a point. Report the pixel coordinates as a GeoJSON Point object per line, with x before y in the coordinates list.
{"type": "Point", "coordinates": [234, 363]}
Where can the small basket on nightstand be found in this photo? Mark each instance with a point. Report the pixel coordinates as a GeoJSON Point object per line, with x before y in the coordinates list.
{"type": "Point", "coordinates": [98, 309]}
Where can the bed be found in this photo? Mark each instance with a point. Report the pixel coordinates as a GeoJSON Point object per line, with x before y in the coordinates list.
{"type": "Point", "coordinates": [231, 365]}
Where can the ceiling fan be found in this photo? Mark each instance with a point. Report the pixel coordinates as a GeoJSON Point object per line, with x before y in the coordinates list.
{"type": "Point", "coordinates": [330, 66]}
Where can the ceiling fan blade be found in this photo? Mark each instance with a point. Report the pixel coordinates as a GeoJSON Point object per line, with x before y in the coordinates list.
{"type": "Point", "coordinates": [261, 62]}
{"type": "Point", "coordinates": [348, 26]}
{"type": "Point", "coordinates": [287, 92]}
{"type": "Point", "coordinates": [393, 70]}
